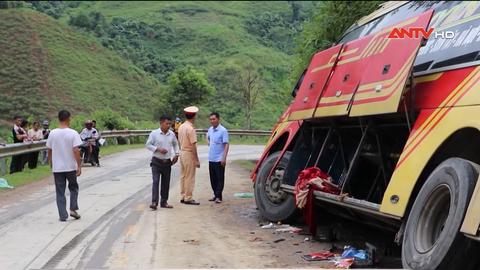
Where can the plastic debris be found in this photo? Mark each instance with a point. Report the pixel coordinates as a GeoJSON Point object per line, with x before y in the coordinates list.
{"type": "Point", "coordinates": [289, 229]}
{"type": "Point", "coordinates": [269, 226]}
{"type": "Point", "coordinates": [279, 240]}
{"type": "Point", "coordinates": [343, 263]}
{"type": "Point", "coordinates": [4, 184]}
{"type": "Point", "coordinates": [360, 257]}
{"type": "Point", "coordinates": [243, 195]}
{"type": "Point", "coordinates": [318, 256]}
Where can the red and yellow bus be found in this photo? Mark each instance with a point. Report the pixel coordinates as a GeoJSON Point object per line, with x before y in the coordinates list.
{"type": "Point", "coordinates": [396, 123]}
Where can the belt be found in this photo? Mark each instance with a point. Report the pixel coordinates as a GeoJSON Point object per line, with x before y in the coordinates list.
{"type": "Point", "coordinates": [156, 160]}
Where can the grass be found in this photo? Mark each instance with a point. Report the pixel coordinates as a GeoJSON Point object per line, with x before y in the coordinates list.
{"type": "Point", "coordinates": [56, 67]}
{"type": "Point", "coordinates": [27, 176]}
{"type": "Point", "coordinates": [245, 164]}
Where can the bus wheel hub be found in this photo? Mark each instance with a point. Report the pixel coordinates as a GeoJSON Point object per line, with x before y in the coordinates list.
{"type": "Point", "coordinates": [273, 186]}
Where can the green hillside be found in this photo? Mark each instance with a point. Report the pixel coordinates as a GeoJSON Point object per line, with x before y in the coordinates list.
{"type": "Point", "coordinates": [45, 66]}
{"type": "Point", "coordinates": [119, 55]}
{"type": "Point", "coordinates": [218, 38]}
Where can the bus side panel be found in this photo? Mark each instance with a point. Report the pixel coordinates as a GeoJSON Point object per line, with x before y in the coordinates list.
{"type": "Point", "coordinates": [432, 128]}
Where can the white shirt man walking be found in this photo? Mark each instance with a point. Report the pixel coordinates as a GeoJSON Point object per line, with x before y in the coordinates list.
{"type": "Point", "coordinates": [164, 145]}
{"type": "Point", "coordinates": [64, 157]}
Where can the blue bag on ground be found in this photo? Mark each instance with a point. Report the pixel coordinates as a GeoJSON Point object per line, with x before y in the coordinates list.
{"type": "Point", "coordinates": [4, 184]}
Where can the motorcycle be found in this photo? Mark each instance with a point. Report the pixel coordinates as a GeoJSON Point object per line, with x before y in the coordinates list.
{"type": "Point", "coordinates": [87, 151]}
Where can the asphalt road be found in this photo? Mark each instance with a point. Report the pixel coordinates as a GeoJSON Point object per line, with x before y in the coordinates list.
{"type": "Point", "coordinates": [114, 207]}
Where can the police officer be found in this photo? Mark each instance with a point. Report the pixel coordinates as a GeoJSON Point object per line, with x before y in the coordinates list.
{"type": "Point", "coordinates": [189, 160]}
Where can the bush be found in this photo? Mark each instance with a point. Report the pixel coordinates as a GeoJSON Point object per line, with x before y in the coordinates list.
{"type": "Point", "coordinates": [109, 120]}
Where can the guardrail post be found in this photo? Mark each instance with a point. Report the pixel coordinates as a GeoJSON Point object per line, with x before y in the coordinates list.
{"type": "Point", "coordinates": [3, 166]}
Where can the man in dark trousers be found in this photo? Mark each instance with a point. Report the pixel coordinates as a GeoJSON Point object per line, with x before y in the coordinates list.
{"type": "Point", "coordinates": [19, 135]}
{"type": "Point", "coordinates": [64, 157]}
{"type": "Point", "coordinates": [164, 145]}
{"type": "Point", "coordinates": [217, 138]}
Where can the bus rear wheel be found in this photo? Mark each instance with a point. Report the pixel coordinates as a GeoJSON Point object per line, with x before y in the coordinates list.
{"type": "Point", "coordinates": [274, 203]}
{"type": "Point", "coordinates": [432, 238]}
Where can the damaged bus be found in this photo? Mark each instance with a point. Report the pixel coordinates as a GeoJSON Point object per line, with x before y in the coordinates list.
{"type": "Point", "coordinates": [394, 120]}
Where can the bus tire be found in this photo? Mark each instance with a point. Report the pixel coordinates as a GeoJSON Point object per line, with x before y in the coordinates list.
{"type": "Point", "coordinates": [432, 238]}
{"type": "Point", "coordinates": [273, 203]}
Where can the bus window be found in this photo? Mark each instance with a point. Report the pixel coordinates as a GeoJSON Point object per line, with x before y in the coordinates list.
{"type": "Point", "coordinates": [299, 82]}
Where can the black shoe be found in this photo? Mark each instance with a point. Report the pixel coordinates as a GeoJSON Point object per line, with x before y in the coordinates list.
{"type": "Point", "coordinates": [192, 202]}
{"type": "Point", "coordinates": [182, 201]}
{"type": "Point", "coordinates": [153, 206]}
{"type": "Point", "coordinates": [63, 220]}
{"type": "Point", "coordinates": [74, 214]}
{"type": "Point", "coordinates": [212, 199]}
{"type": "Point", "coordinates": [166, 205]}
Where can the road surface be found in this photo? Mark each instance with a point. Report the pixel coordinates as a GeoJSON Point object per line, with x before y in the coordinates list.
{"type": "Point", "coordinates": [118, 230]}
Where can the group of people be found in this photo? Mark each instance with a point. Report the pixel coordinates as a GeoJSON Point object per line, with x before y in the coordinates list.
{"type": "Point", "coordinates": [64, 154]}
{"type": "Point", "coordinates": [168, 149]}
{"type": "Point", "coordinates": [21, 133]}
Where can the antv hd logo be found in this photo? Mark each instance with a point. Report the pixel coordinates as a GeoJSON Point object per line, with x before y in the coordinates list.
{"type": "Point", "coordinates": [419, 32]}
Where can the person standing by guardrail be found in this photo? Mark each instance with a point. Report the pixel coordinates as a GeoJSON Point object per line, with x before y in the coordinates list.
{"type": "Point", "coordinates": [189, 160]}
{"type": "Point", "coordinates": [35, 134]}
{"type": "Point", "coordinates": [161, 142]}
{"type": "Point", "coordinates": [19, 135]}
{"type": "Point", "coordinates": [96, 156]}
{"type": "Point", "coordinates": [45, 133]}
{"type": "Point", "coordinates": [64, 157]}
{"type": "Point", "coordinates": [217, 138]}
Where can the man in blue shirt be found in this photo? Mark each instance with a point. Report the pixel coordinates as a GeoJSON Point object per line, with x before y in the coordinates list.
{"type": "Point", "coordinates": [217, 139]}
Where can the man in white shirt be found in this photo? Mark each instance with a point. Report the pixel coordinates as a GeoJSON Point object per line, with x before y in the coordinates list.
{"type": "Point", "coordinates": [164, 145]}
{"type": "Point", "coordinates": [64, 157]}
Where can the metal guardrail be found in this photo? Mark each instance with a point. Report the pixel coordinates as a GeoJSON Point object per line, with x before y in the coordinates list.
{"type": "Point", "coordinates": [23, 148]}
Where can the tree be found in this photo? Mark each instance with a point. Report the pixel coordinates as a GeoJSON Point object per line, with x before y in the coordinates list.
{"type": "Point", "coordinates": [187, 87]}
{"type": "Point", "coordinates": [296, 7]}
{"type": "Point", "coordinates": [248, 84]}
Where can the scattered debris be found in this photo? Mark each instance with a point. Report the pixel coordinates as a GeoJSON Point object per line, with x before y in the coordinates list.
{"type": "Point", "coordinates": [359, 257]}
{"type": "Point", "coordinates": [243, 195]}
{"type": "Point", "coordinates": [4, 183]}
{"type": "Point", "coordinates": [192, 241]}
{"type": "Point", "coordinates": [269, 226]}
{"type": "Point", "coordinates": [306, 239]}
{"type": "Point", "coordinates": [252, 232]}
{"type": "Point", "coordinates": [279, 240]}
{"type": "Point", "coordinates": [343, 263]}
{"type": "Point", "coordinates": [289, 229]}
{"type": "Point", "coordinates": [256, 239]}
{"type": "Point", "coordinates": [281, 228]}
{"type": "Point", "coordinates": [319, 256]}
